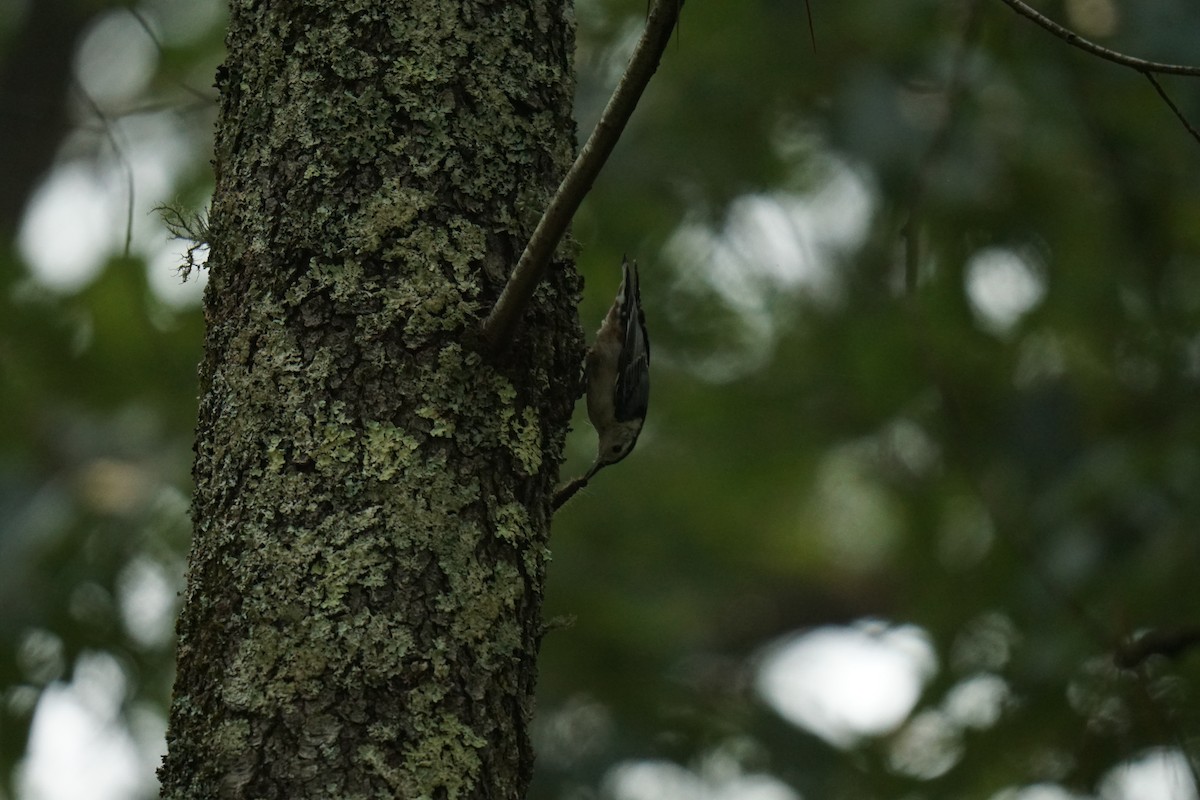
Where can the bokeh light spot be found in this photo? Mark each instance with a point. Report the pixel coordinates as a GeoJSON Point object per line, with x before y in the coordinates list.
{"type": "Point", "coordinates": [846, 683]}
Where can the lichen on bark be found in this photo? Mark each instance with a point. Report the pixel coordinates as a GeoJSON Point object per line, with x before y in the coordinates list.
{"type": "Point", "coordinates": [371, 511]}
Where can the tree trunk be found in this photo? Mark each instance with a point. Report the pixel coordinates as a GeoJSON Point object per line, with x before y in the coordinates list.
{"type": "Point", "coordinates": [371, 509]}
{"type": "Point", "coordinates": [35, 75]}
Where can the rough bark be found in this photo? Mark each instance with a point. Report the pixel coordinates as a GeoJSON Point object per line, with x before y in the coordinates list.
{"type": "Point", "coordinates": [362, 613]}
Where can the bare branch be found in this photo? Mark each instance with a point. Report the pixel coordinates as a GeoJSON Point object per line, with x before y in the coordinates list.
{"type": "Point", "coordinates": [497, 329]}
{"type": "Point", "coordinates": [1147, 68]}
{"type": "Point", "coordinates": [1075, 40]}
{"type": "Point", "coordinates": [1174, 108]}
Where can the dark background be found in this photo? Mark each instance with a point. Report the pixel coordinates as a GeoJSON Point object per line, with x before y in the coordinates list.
{"type": "Point", "coordinates": [924, 448]}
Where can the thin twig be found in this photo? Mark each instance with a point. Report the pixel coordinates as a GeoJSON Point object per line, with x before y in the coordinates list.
{"type": "Point", "coordinates": [149, 30]}
{"type": "Point", "coordinates": [1174, 108]}
{"type": "Point", "coordinates": [497, 329]}
{"type": "Point", "coordinates": [1147, 68]}
{"type": "Point", "coordinates": [812, 32]}
{"type": "Point", "coordinates": [126, 166]}
{"type": "Point", "coordinates": [1074, 39]}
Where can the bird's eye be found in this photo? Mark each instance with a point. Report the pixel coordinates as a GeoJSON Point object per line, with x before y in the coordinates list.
{"type": "Point", "coordinates": [616, 448]}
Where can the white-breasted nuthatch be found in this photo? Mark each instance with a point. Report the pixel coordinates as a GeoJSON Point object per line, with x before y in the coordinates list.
{"type": "Point", "coordinates": [618, 374]}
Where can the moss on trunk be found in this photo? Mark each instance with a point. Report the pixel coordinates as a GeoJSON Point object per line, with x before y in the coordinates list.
{"type": "Point", "coordinates": [362, 613]}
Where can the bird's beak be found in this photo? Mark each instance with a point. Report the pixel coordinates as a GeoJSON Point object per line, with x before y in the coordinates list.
{"type": "Point", "coordinates": [587, 476]}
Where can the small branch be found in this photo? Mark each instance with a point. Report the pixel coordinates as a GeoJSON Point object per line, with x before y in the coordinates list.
{"type": "Point", "coordinates": [1147, 68]}
{"type": "Point", "coordinates": [1168, 643]}
{"type": "Point", "coordinates": [497, 329]}
{"type": "Point", "coordinates": [1174, 108]}
{"type": "Point", "coordinates": [1075, 40]}
{"type": "Point", "coordinates": [568, 490]}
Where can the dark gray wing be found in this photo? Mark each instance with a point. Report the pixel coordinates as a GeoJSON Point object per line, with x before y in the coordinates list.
{"type": "Point", "coordinates": [633, 367]}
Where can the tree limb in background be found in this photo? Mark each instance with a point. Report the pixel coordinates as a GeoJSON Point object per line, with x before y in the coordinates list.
{"type": "Point", "coordinates": [497, 329]}
{"type": "Point", "coordinates": [152, 35]}
{"type": "Point", "coordinates": [1167, 642]}
{"type": "Point", "coordinates": [1075, 40]}
{"type": "Point", "coordinates": [1147, 68]}
{"type": "Point", "coordinates": [35, 74]}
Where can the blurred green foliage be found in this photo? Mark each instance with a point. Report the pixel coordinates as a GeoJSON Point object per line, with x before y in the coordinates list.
{"type": "Point", "coordinates": [925, 305]}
